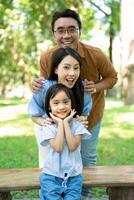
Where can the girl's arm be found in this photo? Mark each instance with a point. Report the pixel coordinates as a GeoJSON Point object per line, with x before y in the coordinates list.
{"type": "Point", "coordinates": [57, 143]}
{"type": "Point", "coordinates": [72, 141]}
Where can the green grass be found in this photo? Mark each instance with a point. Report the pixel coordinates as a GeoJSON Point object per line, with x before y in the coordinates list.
{"type": "Point", "coordinates": [116, 140]}
{"type": "Point", "coordinates": [18, 145]}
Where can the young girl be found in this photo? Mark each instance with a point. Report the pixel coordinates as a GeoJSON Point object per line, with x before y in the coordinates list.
{"type": "Point", "coordinates": [61, 175]}
{"type": "Point", "coordinates": [65, 69]}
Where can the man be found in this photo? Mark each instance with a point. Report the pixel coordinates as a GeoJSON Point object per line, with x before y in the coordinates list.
{"type": "Point", "coordinates": [97, 71]}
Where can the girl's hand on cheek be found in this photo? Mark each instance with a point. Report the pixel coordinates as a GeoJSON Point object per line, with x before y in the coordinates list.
{"type": "Point", "coordinates": [68, 118]}
{"type": "Point", "coordinates": [55, 119]}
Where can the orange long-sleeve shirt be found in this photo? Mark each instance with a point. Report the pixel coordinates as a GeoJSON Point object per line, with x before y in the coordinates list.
{"type": "Point", "coordinates": [95, 67]}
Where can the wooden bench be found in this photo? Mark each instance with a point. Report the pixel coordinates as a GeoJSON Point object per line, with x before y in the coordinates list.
{"type": "Point", "coordinates": [119, 180]}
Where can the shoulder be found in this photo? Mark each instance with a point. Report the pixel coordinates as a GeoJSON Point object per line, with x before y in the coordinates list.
{"type": "Point", "coordinates": [75, 123]}
{"type": "Point", "coordinates": [52, 128]}
{"type": "Point", "coordinates": [48, 53]}
{"type": "Point", "coordinates": [92, 50]}
{"type": "Point", "coordinates": [79, 129]}
{"type": "Point", "coordinates": [48, 83]}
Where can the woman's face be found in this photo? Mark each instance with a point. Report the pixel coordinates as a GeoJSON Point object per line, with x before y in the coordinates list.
{"type": "Point", "coordinates": [60, 105]}
{"type": "Point", "coordinates": [68, 71]}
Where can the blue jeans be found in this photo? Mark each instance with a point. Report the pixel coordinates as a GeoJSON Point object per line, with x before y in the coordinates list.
{"type": "Point", "coordinates": [89, 151]}
{"type": "Point", "coordinates": [54, 188]}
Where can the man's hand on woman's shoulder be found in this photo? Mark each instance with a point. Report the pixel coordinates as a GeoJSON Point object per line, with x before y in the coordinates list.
{"type": "Point", "coordinates": [37, 84]}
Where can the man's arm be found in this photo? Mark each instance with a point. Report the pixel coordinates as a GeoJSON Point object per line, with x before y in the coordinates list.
{"type": "Point", "coordinates": [107, 75]}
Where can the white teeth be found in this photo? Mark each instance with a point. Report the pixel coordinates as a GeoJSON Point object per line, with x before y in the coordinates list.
{"type": "Point", "coordinates": [67, 42]}
{"type": "Point", "coordinates": [70, 80]}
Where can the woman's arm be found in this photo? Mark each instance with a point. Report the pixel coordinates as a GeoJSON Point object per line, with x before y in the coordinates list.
{"type": "Point", "coordinates": [36, 104]}
{"type": "Point", "coordinates": [87, 104]}
{"type": "Point", "coordinates": [86, 109]}
{"type": "Point", "coordinates": [41, 121]}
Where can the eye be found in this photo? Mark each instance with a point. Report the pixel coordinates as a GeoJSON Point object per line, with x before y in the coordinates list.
{"type": "Point", "coordinates": [72, 30]}
{"type": "Point", "coordinates": [60, 31]}
{"type": "Point", "coordinates": [66, 101]}
{"type": "Point", "coordinates": [66, 67]}
{"type": "Point", "coordinates": [55, 103]}
{"type": "Point", "coordinates": [77, 68]}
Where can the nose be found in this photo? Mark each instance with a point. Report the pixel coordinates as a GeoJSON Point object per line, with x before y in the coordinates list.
{"type": "Point", "coordinates": [71, 72]}
{"type": "Point", "coordinates": [66, 34]}
{"type": "Point", "coordinates": [61, 106]}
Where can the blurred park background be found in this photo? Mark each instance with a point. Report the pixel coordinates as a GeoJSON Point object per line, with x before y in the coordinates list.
{"type": "Point", "coordinates": [25, 32]}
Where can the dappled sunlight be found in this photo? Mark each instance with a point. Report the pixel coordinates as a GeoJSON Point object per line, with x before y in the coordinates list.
{"type": "Point", "coordinates": [116, 132]}
{"type": "Point", "coordinates": [109, 104]}
{"type": "Point", "coordinates": [14, 131]}
{"type": "Point", "coordinates": [118, 121]}
{"type": "Point", "coordinates": [15, 121]}
{"type": "Point", "coordinates": [126, 117]}
{"type": "Point", "coordinates": [11, 112]}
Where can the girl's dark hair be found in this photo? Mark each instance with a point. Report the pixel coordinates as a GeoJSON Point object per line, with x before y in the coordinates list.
{"type": "Point", "coordinates": [55, 89]}
{"type": "Point", "coordinates": [78, 89]}
{"type": "Point", "coordinates": [66, 13]}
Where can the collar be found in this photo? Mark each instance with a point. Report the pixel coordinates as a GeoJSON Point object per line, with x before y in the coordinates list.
{"type": "Point", "coordinates": [80, 50]}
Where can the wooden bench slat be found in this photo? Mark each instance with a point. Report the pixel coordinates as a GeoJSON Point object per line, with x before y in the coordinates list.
{"type": "Point", "coordinates": [109, 176]}
{"type": "Point", "coordinates": [19, 179]}
{"type": "Point", "coordinates": [98, 176]}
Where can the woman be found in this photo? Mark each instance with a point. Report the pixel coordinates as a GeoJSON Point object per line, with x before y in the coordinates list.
{"type": "Point", "coordinates": [65, 69]}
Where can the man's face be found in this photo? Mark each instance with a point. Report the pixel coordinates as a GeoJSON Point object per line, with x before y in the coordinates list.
{"type": "Point", "coordinates": [66, 32]}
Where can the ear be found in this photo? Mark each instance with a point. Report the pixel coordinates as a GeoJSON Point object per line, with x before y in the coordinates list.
{"type": "Point", "coordinates": [56, 71]}
{"type": "Point", "coordinates": [79, 33]}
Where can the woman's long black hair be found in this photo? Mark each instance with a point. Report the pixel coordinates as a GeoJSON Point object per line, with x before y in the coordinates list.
{"type": "Point", "coordinates": [78, 89]}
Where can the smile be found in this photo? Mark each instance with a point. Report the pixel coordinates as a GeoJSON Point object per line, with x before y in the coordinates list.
{"type": "Point", "coordinates": [70, 81]}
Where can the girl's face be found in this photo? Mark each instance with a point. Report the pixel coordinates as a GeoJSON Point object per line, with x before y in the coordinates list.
{"type": "Point", "coordinates": [60, 105]}
{"type": "Point", "coordinates": [68, 71]}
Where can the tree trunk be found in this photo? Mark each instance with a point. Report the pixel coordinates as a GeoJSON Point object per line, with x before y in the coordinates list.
{"type": "Point", "coordinates": [127, 36]}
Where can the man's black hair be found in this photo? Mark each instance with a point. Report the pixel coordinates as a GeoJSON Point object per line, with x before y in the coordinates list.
{"type": "Point", "coordinates": [66, 13]}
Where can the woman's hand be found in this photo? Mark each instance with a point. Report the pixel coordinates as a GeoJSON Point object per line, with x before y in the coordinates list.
{"type": "Point", "coordinates": [83, 119]}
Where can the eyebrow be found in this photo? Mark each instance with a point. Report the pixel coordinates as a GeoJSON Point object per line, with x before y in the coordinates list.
{"type": "Point", "coordinates": [70, 64]}
{"type": "Point", "coordinates": [57, 100]}
{"type": "Point", "coordinates": [62, 27]}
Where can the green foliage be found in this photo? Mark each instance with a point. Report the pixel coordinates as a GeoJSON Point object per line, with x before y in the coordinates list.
{"type": "Point", "coordinates": [25, 25]}
{"type": "Point", "coordinates": [114, 17]}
